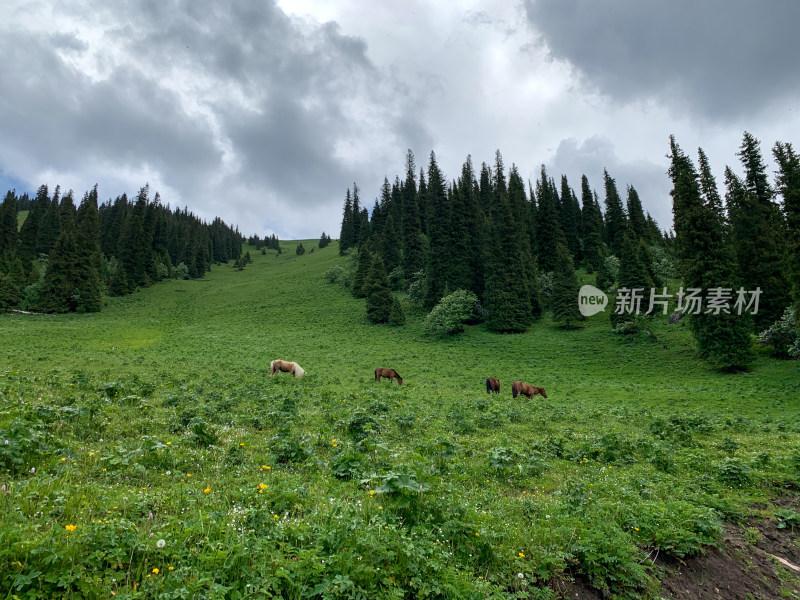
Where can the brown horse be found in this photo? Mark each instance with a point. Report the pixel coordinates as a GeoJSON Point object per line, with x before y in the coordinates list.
{"type": "Point", "coordinates": [390, 373]}
{"type": "Point", "coordinates": [492, 385]}
{"type": "Point", "coordinates": [526, 389]}
{"type": "Point", "coordinates": [286, 367]}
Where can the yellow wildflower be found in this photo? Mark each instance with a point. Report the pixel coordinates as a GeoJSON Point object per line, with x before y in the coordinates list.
{"type": "Point", "coordinates": [155, 571]}
{"type": "Point", "coordinates": [207, 490]}
{"type": "Point", "coordinates": [70, 527]}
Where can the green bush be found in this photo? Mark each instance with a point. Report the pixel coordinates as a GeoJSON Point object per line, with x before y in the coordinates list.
{"type": "Point", "coordinates": [450, 315]}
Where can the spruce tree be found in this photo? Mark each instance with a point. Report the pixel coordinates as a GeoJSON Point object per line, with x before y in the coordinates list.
{"type": "Point", "coordinates": [706, 262]}
{"type": "Point", "coordinates": [347, 234]}
{"type": "Point", "coordinates": [569, 219]}
{"type": "Point", "coordinates": [379, 297]}
{"type": "Point", "coordinates": [591, 240]}
{"type": "Point", "coordinates": [788, 185]}
{"type": "Point", "coordinates": [522, 219]}
{"type": "Point", "coordinates": [636, 218]}
{"type": "Point", "coordinates": [548, 227]}
{"type": "Point", "coordinates": [507, 298]}
{"type": "Point", "coordinates": [633, 274]}
{"type": "Point", "coordinates": [413, 249]}
{"type": "Point", "coordinates": [564, 299]}
{"type": "Point", "coordinates": [616, 221]}
{"type": "Point", "coordinates": [391, 244]}
{"type": "Point", "coordinates": [396, 316]}
{"type": "Point", "coordinates": [49, 226]}
{"type": "Point", "coordinates": [758, 235]}
{"type": "Point", "coordinates": [28, 234]}
{"type": "Point", "coordinates": [8, 224]}
{"type": "Point", "coordinates": [87, 228]}
{"type": "Point", "coordinates": [362, 271]}
{"type": "Point", "coordinates": [59, 289]}
{"type": "Point", "coordinates": [439, 263]}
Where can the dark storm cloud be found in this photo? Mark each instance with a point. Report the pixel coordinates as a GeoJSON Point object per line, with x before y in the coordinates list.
{"type": "Point", "coordinates": [597, 153]}
{"type": "Point", "coordinates": [719, 59]}
{"type": "Point", "coordinates": [67, 120]}
{"type": "Point", "coordinates": [272, 109]}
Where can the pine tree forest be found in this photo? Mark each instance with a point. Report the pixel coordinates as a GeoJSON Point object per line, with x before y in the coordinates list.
{"type": "Point", "coordinates": [67, 255]}
{"type": "Point", "coordinates": [517, 244]}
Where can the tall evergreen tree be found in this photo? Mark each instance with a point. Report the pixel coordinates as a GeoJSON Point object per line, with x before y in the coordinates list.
{"type": "Point", "coordinates": [87, 228]}
{"type": "Point", "coordinates": [591, 228]}
{"type": "Point", "coordinates": [569, 219]}
{"type": "Point", "coordinates": [8, 224]}
{"type": "Point", "coordinates": [522, 219]}
{"type": "Point", "coordinates": [59, 287]}
{"type": "Point", "coordinates": [379, 299]}
{"type": "Point", "coordinates": [29, 232]}
{"type": "Point", "coordinates": [507, 298]}
{"type": "Point", "coordinates": [548, 227]}
{"type": "Point", "coordinates": [758, 235]}
{"type": "Point", "coordinates": [413, 249]}
{"type": "Point", "coordinates": [564, 299]}
{"type": "Point", "coordinates": [788, 185]}
{"type": "Point", "coordinates": [440, 261]}
{"type": "Point", "coordinates": [49, 226]}
{"type": "Point", "coordinates": [633, 274]}
{"type": "Point", "coordinates": [347, 237]}
{"type": "Point", "coordinates": [362, 271]}
{"type": "Point", "coordinates": [616, 221]}
{"type": "Point", "coordinates": [705, 262]}
{"type": "Point", "coordinates": [636, 219]}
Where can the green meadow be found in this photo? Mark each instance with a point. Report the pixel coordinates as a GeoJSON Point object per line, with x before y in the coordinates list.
{"type": "Point", "coordinates": [146, 452]}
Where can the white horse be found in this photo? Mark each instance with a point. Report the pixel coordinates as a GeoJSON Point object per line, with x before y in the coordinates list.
{"type": "Point", "coordinates": [286, 367]}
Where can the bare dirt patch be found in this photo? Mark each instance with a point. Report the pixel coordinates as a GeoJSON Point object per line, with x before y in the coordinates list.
{"type": "Point", "coordinates": [753, 562]}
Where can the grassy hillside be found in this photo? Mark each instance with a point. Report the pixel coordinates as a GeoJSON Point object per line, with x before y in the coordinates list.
{"type": "Point", "coordinates": [154, 429]}
{"type": "Point", "coordinates": [21, 216]}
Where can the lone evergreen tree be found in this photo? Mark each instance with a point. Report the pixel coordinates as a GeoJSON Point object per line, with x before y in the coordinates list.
{"type": "Point", "coordinates": [788, 184]}
{"type": "Point", "coordinates": [347, 235]}
{"type": "Point", "coordinates": [616, 221]}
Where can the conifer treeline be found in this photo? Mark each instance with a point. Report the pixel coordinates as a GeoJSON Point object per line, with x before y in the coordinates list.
{"type": "Point", "coordinates": [490, 233]}
{"type": "Point", "coordinates": [751, 241]}
{"type": "Point", "coordinates": [65, 258]}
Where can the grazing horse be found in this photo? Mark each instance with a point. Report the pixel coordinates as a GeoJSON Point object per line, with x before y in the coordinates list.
{"type": "Point", "coordinates": [390, 373]}
{"type": "Point", "coordinates": [492, 385]}
{"type": "Point", "coordinates": [526, 389]}
{"type": "Point", "coordinates": [286, 367]}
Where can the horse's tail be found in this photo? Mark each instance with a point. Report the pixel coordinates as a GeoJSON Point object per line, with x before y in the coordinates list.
{"type": "Point", "coordinates": [376, 375]}
{"type": "Point", "coordinates": [272, 368]}
{"type": "Point", "coordinates": [514, 391]}
{"type": "Point", "coordinates": [488, 386]}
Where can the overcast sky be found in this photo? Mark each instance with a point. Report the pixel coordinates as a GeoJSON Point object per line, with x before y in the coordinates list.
{"type": "Point", "coordinates": [264, 112]}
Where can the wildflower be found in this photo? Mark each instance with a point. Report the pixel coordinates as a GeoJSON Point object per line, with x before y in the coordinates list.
{"type": "Point", "coordinates": [263, 486]}
{"type": "Point", "coordinates": [380, 508]}
{"type": "Point", "coordinates": [242, 444]}
{"type": "Point", "coordinates": [520, 576]}
{"type": "Point", "coordinates": [33, 469]}
{"type": "Point", "coordinates": [6, 442]}
{"type": "Point", "coordinates": [155, 571]}
{"type": "Point", "coordinates": [63, 459]}
{"type": "Point", "coordinates": [636, 528]}
{"type": "Point", "coordinates": [207, 490]}
{"type": "Point", "coordinates": [276, 516]}
{"type": "Point", "coordinates": [160, 544]}
{"type": "Point", "coordinates": [171, 568]}
{"type": "Point", "coordinates": [4, 487]}
{"type": "Point", "coordinates": [70, 527]}
{"type": "Point", "coordinates": [188, 474]}
{"type": "Point", "coordinates": [150, 516]}
{"type": "Point", "coordinates": [372, 492]}
{"type": "Point", "coordinates": [477, 534]}
{"type": "Point", "coordinates": [169, 443]}
{"type": "Point", "coordinates": [521, 555]}
{"type": "Point", "coordinates": [91, 453]}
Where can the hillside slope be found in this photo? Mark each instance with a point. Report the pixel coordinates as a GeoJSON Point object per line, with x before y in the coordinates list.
{"type": "Point", "coordinates": [157, 416]}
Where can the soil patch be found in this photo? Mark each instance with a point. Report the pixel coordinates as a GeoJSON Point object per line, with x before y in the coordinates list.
{"type": "Point", "coordinates": [754, 562]}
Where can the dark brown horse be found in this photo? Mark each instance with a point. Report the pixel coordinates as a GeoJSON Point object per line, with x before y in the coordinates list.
{"type": "Point", "coordinates": [492, 385]}
{"type": "Point", "coordinates": [287, 367]}
{"type": "Point", "coordinates": [526, 389]}
{"type": "Point", "coordinates": [390, 373]}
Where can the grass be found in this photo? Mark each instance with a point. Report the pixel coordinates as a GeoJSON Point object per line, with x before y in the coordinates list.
{"type": "Point", "coordinates": [156, 420]}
